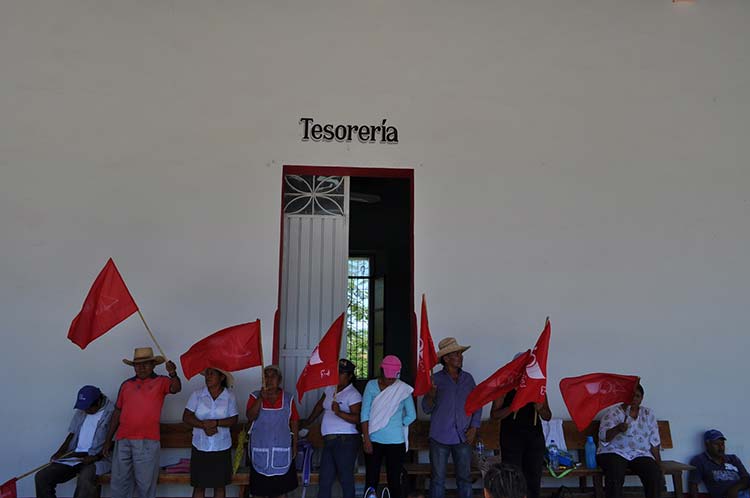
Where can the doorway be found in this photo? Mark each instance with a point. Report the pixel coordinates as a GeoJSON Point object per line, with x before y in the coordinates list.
{"type": "Point", "coordinates": [346, 244]}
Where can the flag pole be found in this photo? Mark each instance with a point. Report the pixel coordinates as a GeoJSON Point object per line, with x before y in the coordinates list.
{"type": "Point", "coordinates": [41, 467]}
{"type": "Point", "coordinates": [262, 363]}
{"type": "Point", "coordinates": [148, 329]}
{"type": "Point", "coordinates": [336, 388]}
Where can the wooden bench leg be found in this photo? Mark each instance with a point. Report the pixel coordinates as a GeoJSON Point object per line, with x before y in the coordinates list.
{"type": "Point", "coordinates": [582, 484]}
{"type": "Point", "coordinates": [677, 483]}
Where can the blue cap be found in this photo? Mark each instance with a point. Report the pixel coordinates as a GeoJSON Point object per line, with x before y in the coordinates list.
{"type": "Point", "coordinates": [713, 435]}
{"type": "Point", "coordinates": [87, 396]}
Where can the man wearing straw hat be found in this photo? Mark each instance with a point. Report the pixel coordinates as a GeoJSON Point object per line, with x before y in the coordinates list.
{"type": "Point", "coordinates": [135, 425]}
{"type": "Point", "coordinates": [452, 432]}
{"type": "Point", "coordinates": [80, 453]}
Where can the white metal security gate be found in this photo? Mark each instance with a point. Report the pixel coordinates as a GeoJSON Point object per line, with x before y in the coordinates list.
{"type": "Point", "coordinates": [314, 269]}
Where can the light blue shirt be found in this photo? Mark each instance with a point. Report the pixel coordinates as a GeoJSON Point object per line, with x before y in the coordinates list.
{"type": "Point", "coordinates": [393, 432]}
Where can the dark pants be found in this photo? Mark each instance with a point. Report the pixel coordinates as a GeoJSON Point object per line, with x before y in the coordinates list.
{"type": "Point", "coordinates": [58, 473]}
{"type": "Point", "coordinates": [461, 454]}
{"type": "Point", "coordinates": [525, 450]}
{"type": "Point", "coordinates": [394, 462]}
{"type": "Point", "coordinates": [338, 460]}
{"type": "Point", "coordinates": [615, 467]}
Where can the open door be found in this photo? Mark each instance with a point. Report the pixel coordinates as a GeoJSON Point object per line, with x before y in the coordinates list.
{"type": "Point", "coordinates": [325, 227]}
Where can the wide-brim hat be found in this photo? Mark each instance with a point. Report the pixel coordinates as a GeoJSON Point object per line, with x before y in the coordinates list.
{"type": "Point", "coordinates": [229, 376]}
{"type": "Point", "coordinates": [141, 355]}
{"type": "Point", "coordinates": [450, 345]}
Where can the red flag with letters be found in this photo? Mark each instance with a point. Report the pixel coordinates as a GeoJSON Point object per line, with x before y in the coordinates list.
{"type": "Point", "coordinates": [322, 368]}
{"type": "Point", "coordinates": [231, 349]}
{"type": "Point", "coordinates": [108, 303]}
{"type": "Point", "coordinates": [426, 355]}
{"type": "Point", "coordinates": [8, 489]}
{"type": "Point", "coordinates": [533, 385]}
{"type": "Point", "coordinates": [587, 395]}
{"type": "Point", "coordinates": [499, 383]}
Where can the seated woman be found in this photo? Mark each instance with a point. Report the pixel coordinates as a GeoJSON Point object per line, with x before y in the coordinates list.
{"type": "Point", "coordinates": [272, 448]}
{"type": "Point", "coordinates": [629, 440]}
{"type": "Point", "coordinates": [340, 406]}
{"type": "Point", "coordinates": [504, 480]}
{"type": "Point", "coordinates": [211, 411]}
{"type": "Point", "coordinates": [387, 411]}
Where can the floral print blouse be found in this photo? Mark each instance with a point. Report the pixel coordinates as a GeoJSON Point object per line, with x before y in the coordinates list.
{"type": "Point", "coordinates": [642, 433]}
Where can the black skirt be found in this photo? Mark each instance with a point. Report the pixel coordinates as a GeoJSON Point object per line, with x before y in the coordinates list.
{"type": "Point", "coordinates": [261, 485]}
{"type": "Point", "coordinates": [210, 469]}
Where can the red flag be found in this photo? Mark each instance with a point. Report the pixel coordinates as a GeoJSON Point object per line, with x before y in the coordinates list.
{"type": "Point", "coordinates": [323, 366]}
{"type": "Point", "coordinates": [231, 349]}
{"type": "Point", "coordinates": [587, 395]}
{"type": "Point", "coordinates": [497, 384]}
{"type": "Point", "coordinates": [426, 355]}
{"type": "Point", "coordinates": [533, 385]}
{"type": "Point", "coordinates": [8, 489]}
{"type": "Point", "coordinates": [108, 303]}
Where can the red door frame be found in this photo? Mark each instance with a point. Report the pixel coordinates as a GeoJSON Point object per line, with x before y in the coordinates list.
{"type": "Point", "coordinates": [407, 174]}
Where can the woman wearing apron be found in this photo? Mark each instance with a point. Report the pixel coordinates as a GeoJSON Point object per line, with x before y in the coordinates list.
{"type": "Point", "coordinates": [272, 448]}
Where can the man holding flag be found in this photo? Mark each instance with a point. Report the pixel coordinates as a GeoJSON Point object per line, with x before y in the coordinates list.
{"type": "Point", "coordinates": [135, 425]}
{"type": "Point", "coordinates": [452, 431]}
{"type": "Point", "coordinates": [521, 436]}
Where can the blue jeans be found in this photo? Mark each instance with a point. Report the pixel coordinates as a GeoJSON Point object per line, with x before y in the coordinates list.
{"type": "Point", "coordinates": [338, 460]}
{"type": "Point", "coordinates": [461, 454]}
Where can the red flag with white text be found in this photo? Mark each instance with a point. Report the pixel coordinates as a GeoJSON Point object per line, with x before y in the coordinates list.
{"type": "Point", "coordinates": [322, 368]}
{"type": "Point", "coordinates": [108, 303]}
{"type": "Point", "coordinates": [231, 349]}
{"type": "Point", "coordinates": [587, 395]}
{"type": "Point", "coordinates": [533, 385]}
{"type": "Point", "coordinates": [426, 355]}
{"type": "Point", "coordinates": [504, 380]}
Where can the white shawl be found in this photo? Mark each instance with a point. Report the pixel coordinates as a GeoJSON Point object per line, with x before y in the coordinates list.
{"type": "Point", "coordinates": [386, 403]}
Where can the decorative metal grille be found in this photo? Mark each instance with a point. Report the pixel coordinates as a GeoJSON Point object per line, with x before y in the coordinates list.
{"type": "Point", "coordinates": [358, 316]}
{"type": "Point", "coordinates": [318, 195]}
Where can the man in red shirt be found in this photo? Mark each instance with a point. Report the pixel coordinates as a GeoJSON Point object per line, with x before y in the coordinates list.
{"type": "Point", "coordinates": [135, 425]}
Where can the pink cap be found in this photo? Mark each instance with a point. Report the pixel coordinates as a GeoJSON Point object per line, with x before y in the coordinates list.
{"type": "Point", "coordinates": [391, 366]}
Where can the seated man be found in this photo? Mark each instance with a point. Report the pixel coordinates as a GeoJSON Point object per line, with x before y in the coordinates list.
{"type": "Point", "coordinates": [724, 475]}
{"type": "Point", "coordinates": [80, 453]}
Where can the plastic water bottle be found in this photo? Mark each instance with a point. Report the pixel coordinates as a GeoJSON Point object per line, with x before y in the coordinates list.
{"type": "Point", "coordinates": [590, 449]}
{"type": "Point", "coordinates": [554, 455]}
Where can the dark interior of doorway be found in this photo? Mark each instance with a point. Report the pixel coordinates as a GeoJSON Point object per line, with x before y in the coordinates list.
{"type": "Point", "coordinates": [380, 228]}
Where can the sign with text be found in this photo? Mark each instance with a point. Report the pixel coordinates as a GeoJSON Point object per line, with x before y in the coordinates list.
{"type": "Point", "coordinates": [329, 132]}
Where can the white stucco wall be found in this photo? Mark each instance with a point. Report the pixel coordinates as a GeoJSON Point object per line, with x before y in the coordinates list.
{"type": "Point", "coordinates": [584, 160]}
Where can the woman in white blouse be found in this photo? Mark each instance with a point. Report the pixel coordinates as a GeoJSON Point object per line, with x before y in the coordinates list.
{"type": "Point", "coordinates": [341, 406]}
{"type": "Point", "coordinates": [629, 440]}
{"type": "Point", "coordinates": [211, 411]}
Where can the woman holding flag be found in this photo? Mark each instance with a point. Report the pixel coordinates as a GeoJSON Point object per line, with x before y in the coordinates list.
{"type": "Point", "coordinates": [341, 406]}
{"type": "Point", "coordinates": [387, 411]}
{"type": "Point", "coordinates": [522, 439]}
{"type": "Point", "coordinates": [272, 448]}
{"type": "Point", "coordinates": [211, 411]}
{"type": "Point", "coordinates": [629, 440]}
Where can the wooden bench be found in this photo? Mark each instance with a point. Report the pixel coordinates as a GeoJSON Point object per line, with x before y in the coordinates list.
{"type": "Point", "coordinates": [179, 435]}
{"type": "Point", "coordinates": [575, 441]}
{"type": "Point", "coordinates": [419, 440]}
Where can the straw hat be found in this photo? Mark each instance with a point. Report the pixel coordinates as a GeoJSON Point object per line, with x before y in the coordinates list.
{"type": "Point", "coordinates": [141, 355]}
{"type": "Point", "coordinates": [449, 345]}
{"type": "Point", "coordinates": [230, 377]}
